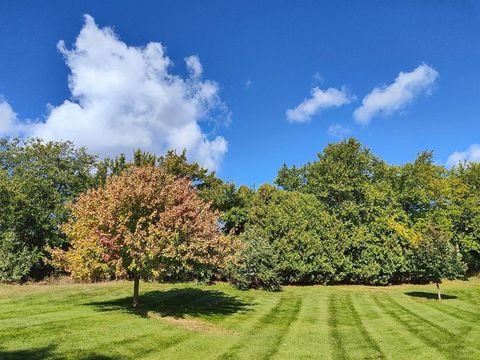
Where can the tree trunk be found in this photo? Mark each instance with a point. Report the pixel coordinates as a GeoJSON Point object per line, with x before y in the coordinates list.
{"type": "Point", "coordinates": [438, 290]}
{"type": "Point", "coordinates": [136, 285]}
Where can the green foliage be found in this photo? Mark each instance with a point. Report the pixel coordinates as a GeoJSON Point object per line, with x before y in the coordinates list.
{"type": "Point", "coordinates": [376, 255]}
{"type": "Point", "coordinates": [350, 181]}
{"type": "Point", "coordinates": [290, 179]}
{"type": "Point", "coordinates": [434, 258]}
{"type": "Point", "coordinates": [36, 181]}
{"type": "Point", "coordinates": [464, 212]}
{"type": "Point", "coordinates": [256, 264]}
{"type": "Point", "coordinates": [16, 259]}
{"type": "Point", "coordinates": [347, 217]}
{"type": "Point", "coordinates": [306, 239]}
{"type": "Point", "coordinates": [313, 246]}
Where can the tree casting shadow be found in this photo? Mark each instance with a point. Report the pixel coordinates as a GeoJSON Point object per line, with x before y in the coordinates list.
{"type": "Point", "coordinates": [178, 303]}
{"type": "Point", "coordinates": [429, 295]}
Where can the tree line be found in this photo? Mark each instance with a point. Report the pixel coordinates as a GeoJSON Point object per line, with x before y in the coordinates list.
{"type": "Point", "coordinates": [347, 217]}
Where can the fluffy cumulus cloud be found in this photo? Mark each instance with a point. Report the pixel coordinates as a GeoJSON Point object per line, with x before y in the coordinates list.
{"type": "Point", "coordinates": [471, 154]}
{"type": "Point", "coordinates": [126, 97]}
{"type": "Point", "coordinates": [386, 100]}
{"type": "Point", "coordinates": [318, 101]}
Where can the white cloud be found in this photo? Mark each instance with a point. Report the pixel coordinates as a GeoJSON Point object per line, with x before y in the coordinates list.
{"type": "Point", "coordinates": [319, 100]}
{"type": "Point", "coordinates": [125, 97]}
{"type": "Point", "coordinates": [194, 66]}
{"type": "Point", "coordinates": [338, 131]}
{"type": "Point", "coordinates": [386, 100]}
{"type": "Point", "coordinates": [471, 154]}
{"type": "Point", "coordinates": [8, 119]}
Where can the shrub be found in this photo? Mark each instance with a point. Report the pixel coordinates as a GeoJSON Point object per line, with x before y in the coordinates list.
{"type": "Point", "coordinates": [16, 259]}
{"type": "Point", "coordinates": [255, 267]}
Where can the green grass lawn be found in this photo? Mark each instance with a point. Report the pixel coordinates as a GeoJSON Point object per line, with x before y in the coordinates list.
{"type": "Point", "coordinates": [187, 321]}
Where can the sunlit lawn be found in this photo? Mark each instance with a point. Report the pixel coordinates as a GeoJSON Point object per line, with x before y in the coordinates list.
{"type": "Point", "coordinates": [188, 321]}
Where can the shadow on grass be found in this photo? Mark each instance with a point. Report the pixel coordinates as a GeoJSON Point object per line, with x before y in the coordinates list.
{"type": "Point", "coordinates": [44, 353]}
{"type": "Point", "coordinates": [429, 295]}
{"type": "Point", "coordinates": [30, 354]}
{"type": "Point", "coordinates": [178, 303]}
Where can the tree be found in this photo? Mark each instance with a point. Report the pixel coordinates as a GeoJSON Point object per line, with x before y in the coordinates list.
{"type": "Point", "coordinates": [223, 196]}
{"type": "Point", "coordinates": [303, 236]}
{"type": "Point", "coordinates": [141, 223]}
{"type": "Point", "coordinates": [464, 212]}
{"type": "Point", "coordinates": [291, 179]}
{"type": "Point", "coordinates": [435, 258]}
{"type": "Point", "coordinates": [352, 183]}
{"type": "Point", "coordinates": [422, 187]}
{"type": "Point", "coordinates": [37, 179]}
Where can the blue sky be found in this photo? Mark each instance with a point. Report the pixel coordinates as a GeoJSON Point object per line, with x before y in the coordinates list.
{"type": "Point", "coordinates": [249, 63]}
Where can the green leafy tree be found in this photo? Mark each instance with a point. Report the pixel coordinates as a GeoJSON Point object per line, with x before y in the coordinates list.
{"type": "Point", "coordinates": [422, 187]}
{"type": "Point", "coordinates": [348, 180]}
{"type": "Point", "coordinates": [290, 179]}
{"type": "Point", "coordinates": [435, 258]}
{"type": "Point", "coordinates": [16, 259]}
{"type": "Point", "coordinates": [356, 188]}
{"type": "Point", "coordinates": [304, 236]}
{"type": "Point", "coordinates": [464, 212]}
{"type": "Point", "coordinates": [37, 179]}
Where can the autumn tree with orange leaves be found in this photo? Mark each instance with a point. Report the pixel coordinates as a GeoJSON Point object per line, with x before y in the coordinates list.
{"type": "Point", "coordinates": [142, 222]}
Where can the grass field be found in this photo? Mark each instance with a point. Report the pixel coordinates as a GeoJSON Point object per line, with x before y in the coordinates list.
{"type": "Point", "coordinates": [186, 321]}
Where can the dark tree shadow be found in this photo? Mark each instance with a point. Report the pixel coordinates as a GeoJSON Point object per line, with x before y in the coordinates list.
{"type": "Point", "coordinates": [429, 295]}
{"type": "Point", "coordinates": [30, 354]}
{"type": "Point", "coordinates": [46, 353]}
{"type": "Point", "coordinates": [178, 303]}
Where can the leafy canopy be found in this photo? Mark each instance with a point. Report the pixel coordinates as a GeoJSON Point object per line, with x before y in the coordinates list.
{"type": "Point", "coordinates": [142, 223]}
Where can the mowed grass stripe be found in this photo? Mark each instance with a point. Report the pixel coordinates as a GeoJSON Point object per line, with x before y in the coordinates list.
{"type": "Point", "coordinates": [92, 334]}
{"type": "Point", "coordinates": [308, 336]}
{"type": "Point", "coordinates": [372, 344]}
{"type": "Point", "coordinates": [267, 334]}
{"type": "Point", "coordinates": [449, 344]}
{"type": "Point", "coordinates": [307, 322]}
{"type": "Point", "coordinates": [337, 345]}
{"type": "Point", "coordinates": [415, 328]}
{"type": "Point", "coordinates": [469, 297]}
{"type": "Point", "coordinates": [452, 326]}
{"type": "Point", "coordinates": [195, 342]}
{"type": "Point", "coordinates": [396, 340]}
{"type": "Point", "coordinates": [470, 317]}
{"type": "Point", "coordinates": [292, 318]}
{"type": "Point", "coordinates": [349, 333]}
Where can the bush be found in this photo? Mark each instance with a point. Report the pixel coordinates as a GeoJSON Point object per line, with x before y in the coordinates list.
{"type": "Point", "coordinates": [255, 267]}
{"type": "Point", "coordinates": [16, 260]}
